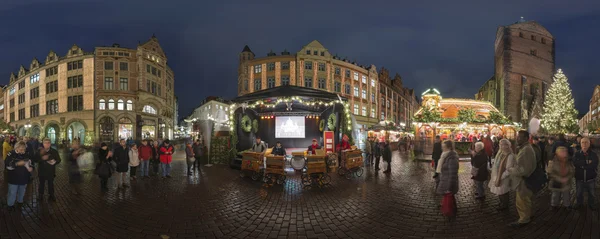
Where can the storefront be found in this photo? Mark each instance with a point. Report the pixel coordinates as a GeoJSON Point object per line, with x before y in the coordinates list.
{"type": "Point", "coordinates": [125, 128]}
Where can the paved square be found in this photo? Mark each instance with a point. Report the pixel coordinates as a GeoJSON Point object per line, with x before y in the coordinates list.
{"type": "Point", "coordinates": [217, 203]}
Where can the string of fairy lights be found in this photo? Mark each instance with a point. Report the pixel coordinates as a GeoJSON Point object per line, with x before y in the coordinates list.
{"type": "Point", "coordinates": [288, 100]}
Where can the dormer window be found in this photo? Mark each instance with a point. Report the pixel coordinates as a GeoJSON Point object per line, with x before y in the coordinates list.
{"type": "Point", "coordinates": [322, 53]}
{"type": "Point", "coordinates": [316, 53]}
{"type": "Point", "coordinates": [73, 52]}
{"type": "Point", "coordinates": [307, 52]}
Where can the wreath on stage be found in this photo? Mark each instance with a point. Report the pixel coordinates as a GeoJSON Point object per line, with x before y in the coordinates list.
{"type": "Point", "coordinates": [246, 124]}
{"type": "Point", "coordinates": [255, 126]}
{"type": "Point", "coordinates": [321, 125]}
{"type": "Point", "coordinates": [331, 122]}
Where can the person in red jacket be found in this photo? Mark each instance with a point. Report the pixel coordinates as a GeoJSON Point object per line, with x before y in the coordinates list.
{"type": "Point", "coordinates": [145, 153]}
{"type": "Point", "coordinates": [345, 144]}
{"type": "Point", "coordinates": [166, 156]}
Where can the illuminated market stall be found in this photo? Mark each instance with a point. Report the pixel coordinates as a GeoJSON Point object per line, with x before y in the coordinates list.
{"type": "Point", "coordinates": [462, 120]}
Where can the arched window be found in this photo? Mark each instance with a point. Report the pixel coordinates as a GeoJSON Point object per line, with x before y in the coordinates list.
{"type": "Point", "coordinates": [129, 105]}
{"type": "Point", "coordinates": [111, 104]}
{"type": "Point", "coordinates": [149, 109]}
{"type": "Point", "coordinates": [102, 105]}
{"type": "Point", "coordinates": [120, 105]}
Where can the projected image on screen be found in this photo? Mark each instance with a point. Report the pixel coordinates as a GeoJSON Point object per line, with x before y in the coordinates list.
{"type": "Point", "coordinates": [289, 127]}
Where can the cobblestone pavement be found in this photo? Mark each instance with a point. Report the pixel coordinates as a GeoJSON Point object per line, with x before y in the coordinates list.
{"type": "Point", "coordinates": [217, 203]}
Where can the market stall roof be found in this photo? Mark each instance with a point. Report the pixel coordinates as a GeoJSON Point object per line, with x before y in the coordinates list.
{"type": "Point", "coordinates": [288, 91]}
{"type": "Point", "coordinates": [449, 107]}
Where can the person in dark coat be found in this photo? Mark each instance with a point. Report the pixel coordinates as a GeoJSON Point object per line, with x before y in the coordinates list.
{"type": "Point", "coordinates": [278, 149]}
{"type": "Point", "coordinates": [586, 172]}
{"type": "Point", "coordinates": [19, 168]}
{"type": "Point", "coordinates": [197, 153]}
{"type": "Point", "coordinates": [436, 154]}
{"type": "Point", "coordinates": [448, 170]}
{"type": "Point", "coordinates": [47, 159]}
{"type": "Point", "coordinates": [561, 141]}
{"type": "Point", "coordinates": [104, 167]}
{"type": "Point", "coordinates": [479, 162]}
{"type": "Point", "coordinates": [121, 157]}
{"type": "Point", "coordinates": [387, 156]}
{"type": "Point", "coordinates": [74, 170]}
{"type": "Point", "coordinates": [155, 161]}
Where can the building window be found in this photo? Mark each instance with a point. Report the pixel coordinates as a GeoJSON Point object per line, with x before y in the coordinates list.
{"type": "Point", "coordinates": [124, 66]}
{"type": "Point", "coordinates": [533, 52]}
{"type": "Point", "coordinates": [337, 87]}
{"type": "Point", "coordinates": [356, 109]}
{"type": "Point", "coordinates": [245, 84]}
{"type": "Point", "coordinates": [270, 66]}
{"type": "Point", "coordinates": [382, 116]}
{"type": "Point", "coordinates": [12, 116]}
{"type": "Point", "coordinates": [154, 71]}
{"type": "Point", "coordinates": [533, 38]}
{"type": "Point", "coordinates": [316, 53]}
{"type": "Point", "coordinates": [322, 83]}
{"type": "Point", "coordinates": [308, 65]}
{"type": "Point", "coordinates": [74, 65]}
{"type": "Point", "coordinates": [109, 83]}
{"type": "Point", "coordinates": [364, 94]}
{"type": "Point", "coordinates": [364, 79]}
{"type": "Point", "coordinates": [285, 80]}
{"type": "Point", "coordinates": [355, 75]}
{"type": "Point", "coordinates": [34, 111]}
{"type": "Point", "coordinates": [257, 68]}
{"type": "Point", "coordinates": [159, 93]}
{"type": "Point", "coordinates": [75, 81]}
{"type": "Point", "coordinates": [108, 65]}
{"type": "Point", "coordinates": [12, 90]}
{"type": "Point", "coordinates": [364, 111]}
{"type": "Point", "coordinates": [307, 52]}
{"type": "Point", "coordinates": [285, 65]}
{"type": "Point", "coordinates": [75, 103]}
{"type": "Point", "coordinates": [270, 82]}
{"type": "Point", "coordinates": [1, 106]}
{"type": "Point", "coordinates": [347, 89]}
{"type": "Point", "coordinates": [372, 83]}
{"type": "Point", "coordinates": [347, 73]}
{"type": "Point", "coordinates": [148, 68]}
{"type": "Point", "coordinates": [52, 107]}
{"type": "Point", "coordinates": [520, 34]}
{"type": "Point", "coordinates": [34, 78]}
{"type": "Point", "coordinates": [120, 105]}
{"type": "Point", "coordinates": [21, 114]}
{"type": "Point", "coordinates": [111, 104]}
{"type": "Point", "coordinates": [102, 105]}
{"type": "Point", "coordinates": [52, 71]}
{"type": "Point", "coordinates": [356, 91]}
{"type": "Point", "coordinates": [321, 66]}
{"type": "Point", "coordinates": [22, 85]}
{"type": "Point", "coordinates": [257, 84]}
{"type": "Point", "coordinates": [543, 40]}
{"type": "Point", "coordinates": [338, 71]}
{"type": "Point", "coordinates": [372, 112]}
{"type": "Point", "coordinates": [308, 82]}
{"type": "Point", "coordinates": [34, 93]}
{"type": "Point", "coordinates": [22, 98]}
{"type": "Point", "coordinates": [51, 87]}
{"type": "Point", "coordinates": [372, 96]}
{"type": "Point", "coordinates": [387, 103]}
{"type": "Point", "coordinates": [149, 109]}
{"type": "Point", "coordinates": [124, 84]}
{"type": "Point", "coordinates": [129, 105]}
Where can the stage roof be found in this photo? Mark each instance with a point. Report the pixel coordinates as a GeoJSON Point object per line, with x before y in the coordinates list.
{"type": "Point", "coordinates": [288, 91]}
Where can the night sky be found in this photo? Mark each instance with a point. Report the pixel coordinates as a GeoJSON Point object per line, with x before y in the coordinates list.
{"type": "Point", "coordinates": [447, 45]}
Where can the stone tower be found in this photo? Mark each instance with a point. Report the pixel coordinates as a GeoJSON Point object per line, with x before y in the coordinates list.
{"type": "Point", "coordinates": [245, 56]}
{"type": "Point", "coordinates": [524, 66]}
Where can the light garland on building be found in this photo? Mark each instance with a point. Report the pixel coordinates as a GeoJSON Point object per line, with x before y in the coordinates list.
{"type": "Point", "coordinates": [286, 100]}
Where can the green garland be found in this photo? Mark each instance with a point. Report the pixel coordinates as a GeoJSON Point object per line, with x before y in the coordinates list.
{"type": "Point", "coordinates": [331, 120]}
{"type": "Point", "coordinates": [255, 126]}
{"type": "Point", "coordinates": [234, 140]}
{"type": "Point", "coordinates": [246, 124]}
{"type": "Point", "coordinates": [321, 125]}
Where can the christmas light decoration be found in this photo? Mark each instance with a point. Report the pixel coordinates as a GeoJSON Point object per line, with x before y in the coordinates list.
{"type": "Point", "coordinates": [560, 115]}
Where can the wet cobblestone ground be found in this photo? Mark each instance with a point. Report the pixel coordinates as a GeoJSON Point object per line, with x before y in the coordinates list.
{"type": "Point", "coordinates": [217, 203]}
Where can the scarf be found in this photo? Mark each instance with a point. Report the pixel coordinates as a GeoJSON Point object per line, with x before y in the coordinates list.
{"type": "Point", "coordinates": [502, 168]}
{"type": "Point", "coordinates": [441, 161]}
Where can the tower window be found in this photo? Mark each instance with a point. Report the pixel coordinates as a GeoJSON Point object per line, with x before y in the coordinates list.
{"type": "Point", "coordinates": [533, 52]}
{"type": "Point", "coordinates": [543, 40]}
{"type": "Point", "coordinates": [532, 37]}
{"type": "Point", "coordinates": [520, 34]}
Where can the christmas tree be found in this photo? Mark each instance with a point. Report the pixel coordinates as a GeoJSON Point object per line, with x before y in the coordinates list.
{"type": "Point", "coordinates": [560, 115]}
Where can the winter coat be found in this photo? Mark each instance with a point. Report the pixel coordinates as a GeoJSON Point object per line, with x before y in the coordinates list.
{"type": "Point", "coordinates": [554, 171]}
{"type": "Point", "coordinates": [134, 158]}
{"type": "Point", "coordinates": [387, 153]}
{"type": "Point", "coordinates": [279, 151]}
{"type": "Point", "coordinates": [538, 153]}
{"type": "Point", "coordinates": [104, 168]}
{"type": "Point", "coordinates": [480, 161]}
{"type": "Point", "coordinates": [488, 146]}
{"type": "Point", "coordinates": [584, 171]}
{"type": "Point", "coordinates": [189, 152]}
{"type": "Point", "coordinates": [121, 157]}
{"type": "Point", "coordinates": [368, 147]}
{"type": "Point", "coordinates": [44, 168]}
{"type": "Point", "coordinates": [506, 180]}
{"type": "Point", "coordinates": [166, 153]}
{"type": "Point", "coordinates": [449, 174]}
{"type": "Point", "coordinates": [17, 175]}
{"type": "Point", "coordinates": [145, 152]}
{"type": "Point", "coordinates": [437, 153]}
{"type": "Point", "coordinates": [197, 150]}
{"type": "Point", "coordinates": [526, 163]}
{"type": "Point", "coordinates": [6, 148]}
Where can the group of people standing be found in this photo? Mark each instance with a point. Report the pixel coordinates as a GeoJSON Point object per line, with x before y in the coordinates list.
{"type": "Point", "coordinates": [375, 150]}
{"type": "Point", "coordinates": [513, 170]}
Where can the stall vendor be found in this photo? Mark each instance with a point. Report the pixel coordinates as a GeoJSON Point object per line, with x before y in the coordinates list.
{"type": "Point", "coordinates": [259, 146]}
{"type": "Point", "coordinates": [345, 144]}
{"type": "Point", "coordinates": [312, 149]}
{"type": "Point", "coordinates": [278, 150]}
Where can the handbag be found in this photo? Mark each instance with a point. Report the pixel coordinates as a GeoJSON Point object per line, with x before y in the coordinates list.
{"type": "Point", "coordinates": [449, 205]}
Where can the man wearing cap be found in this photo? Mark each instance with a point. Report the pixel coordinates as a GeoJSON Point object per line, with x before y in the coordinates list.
{"type": "Point", "coordinates": [312, 149]}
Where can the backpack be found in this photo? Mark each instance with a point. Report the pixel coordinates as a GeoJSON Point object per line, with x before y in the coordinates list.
{"type": "Point", "coordinates": [538, 179]}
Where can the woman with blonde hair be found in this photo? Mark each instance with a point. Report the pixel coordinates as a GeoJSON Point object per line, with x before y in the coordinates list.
{"type": "Point", "coordinates": [500, 182]}
{"type": "Point", "coordinates": [560, 172]}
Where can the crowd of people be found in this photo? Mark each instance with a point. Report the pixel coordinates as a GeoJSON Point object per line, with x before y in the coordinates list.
{"type": "Point", "coordinates": [24, 156]}
{"type": "Point", "coordinates": [506, 168]}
